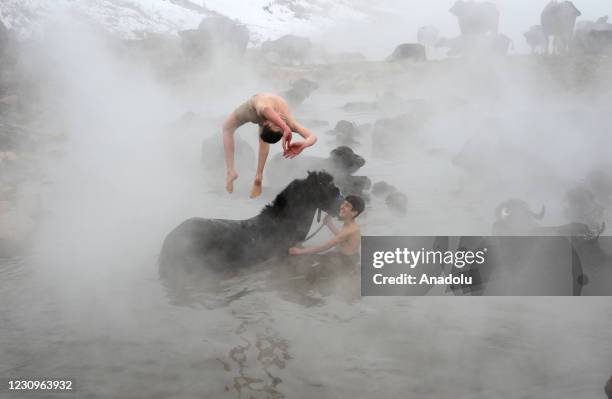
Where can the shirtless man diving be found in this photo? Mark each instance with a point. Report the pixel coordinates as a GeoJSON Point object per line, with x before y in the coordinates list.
{"type": "Point", "coordinates": [347, 239]}
{"type": "Point", "coordinates": [271, 113]}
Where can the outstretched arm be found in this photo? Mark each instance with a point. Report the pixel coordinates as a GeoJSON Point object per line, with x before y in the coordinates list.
{"type": "Point", "coordinates": [320, 248]}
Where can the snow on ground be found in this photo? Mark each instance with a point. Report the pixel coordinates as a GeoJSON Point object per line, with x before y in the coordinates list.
{"type": "Point", "coordinates": [130, 18]}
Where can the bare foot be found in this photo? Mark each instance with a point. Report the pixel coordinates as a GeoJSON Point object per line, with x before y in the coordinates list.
{"type": "Point", "coordinates": [229, 185]}
{"type": "Point", "coordinates": [256, 190]}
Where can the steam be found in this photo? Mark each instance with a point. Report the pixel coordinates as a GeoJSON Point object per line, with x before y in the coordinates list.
{"type": "Point", "coordinates": [527, 128]}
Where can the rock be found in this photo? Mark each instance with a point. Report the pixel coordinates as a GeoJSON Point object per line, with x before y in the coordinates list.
{"type": "Point", "coordinates": [288, 49]}
{"type": "Point", "coordinates": [216, 36]}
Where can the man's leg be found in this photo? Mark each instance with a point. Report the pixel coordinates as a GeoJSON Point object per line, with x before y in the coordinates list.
{"type": "Point", "coordinates": [228, 148]}
{"type": "Point", "coordinates": [264, 149]}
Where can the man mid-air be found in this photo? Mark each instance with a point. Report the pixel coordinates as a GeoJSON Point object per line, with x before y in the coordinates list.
{"type": "Point", "coordinates": [271, 113]}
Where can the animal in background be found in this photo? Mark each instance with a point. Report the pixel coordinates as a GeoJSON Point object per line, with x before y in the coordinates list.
{"type": "Point", "coordinates": [558, 21]}
{"type": "Point", "coordinates": [300, 90]}
{"type": "Point", "coordinates": [408, 52]}
{"type": "Point", "coordinates": [514, 217]}
{"type": "Point", "coordinates": [593, 37]}
{"type": "Point", "coordinates": [500, 44]}
{"type": "Point", "coordinates": [492, 44]}
{"type": "Point", "coordinates": [536, 39]}
{"type": "Point", "coordinates": [476, 18]}
{"type": "Point", "coordinates": [428, 37]}
{"type": "Point", "coordinates": [342, 163]}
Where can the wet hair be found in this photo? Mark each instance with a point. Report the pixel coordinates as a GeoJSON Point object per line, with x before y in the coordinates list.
{"type": "Point", "coordinates": [357, 203]}
{"type": "Point", "coordinates": [270, 136]}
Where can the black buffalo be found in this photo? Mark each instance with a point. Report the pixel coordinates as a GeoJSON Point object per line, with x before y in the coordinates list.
{"type": "Point", "coordinates": [300, 90]}
{"type": "Point", "coordinates": [408, 51]}
{"type": "Point", "coordinates": [515, 218]}
{"type": "Point", "coordinates": [342, 163]}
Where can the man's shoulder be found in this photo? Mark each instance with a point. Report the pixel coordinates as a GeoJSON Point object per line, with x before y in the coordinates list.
{"type": "Point", "coordinates": [352, 230]}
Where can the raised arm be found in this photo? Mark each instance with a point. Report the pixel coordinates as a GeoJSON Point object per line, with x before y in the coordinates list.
{"type": "Point", "coordinates": [269, 114]}
{"type": "Point", "coordinates": [273, 116]}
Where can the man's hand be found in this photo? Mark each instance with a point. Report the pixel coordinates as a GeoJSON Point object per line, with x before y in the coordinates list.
{"type": "Point", "coordinates": [286, 140]}
{"type": "Point", "coordinates": [295, 251]}
{"type": "Point", "coordinates": [295, 149]}
{"type": "Point", "coordinates": [327, 219]}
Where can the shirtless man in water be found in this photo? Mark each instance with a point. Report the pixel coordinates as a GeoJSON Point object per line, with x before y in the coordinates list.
{"type": "Point", "coordinates": [271, 113]}
{"type": "Point", "coordinates": [347, 239]}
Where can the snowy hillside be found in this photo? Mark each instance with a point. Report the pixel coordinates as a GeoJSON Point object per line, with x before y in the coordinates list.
{"type": "Point", "coordinates": [130, 18]}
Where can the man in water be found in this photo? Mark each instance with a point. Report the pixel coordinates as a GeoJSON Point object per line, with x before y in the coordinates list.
{"type": "Point", "coordinates": [347, 239]}
{"type": "Point", "coordinates": [271, 113]}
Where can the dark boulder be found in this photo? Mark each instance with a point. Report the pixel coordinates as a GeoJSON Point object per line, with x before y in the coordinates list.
{"type": "Point", "coordinates": [287, 50]}
{"type": "Point", "coordinates": [216, 36]}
